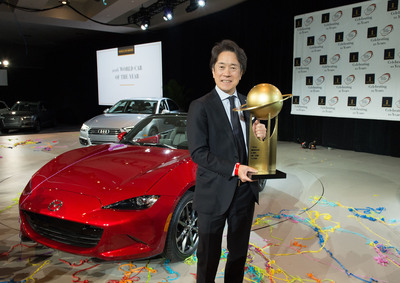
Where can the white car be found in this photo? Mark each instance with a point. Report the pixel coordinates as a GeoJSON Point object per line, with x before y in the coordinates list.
{"type": "Point", "coordinates": [122, 117]}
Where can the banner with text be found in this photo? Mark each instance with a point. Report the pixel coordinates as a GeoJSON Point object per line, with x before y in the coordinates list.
{"type": "Point", "coordinates": [347, 62]}
{"type": "Point", "coordinates": [129, 72]}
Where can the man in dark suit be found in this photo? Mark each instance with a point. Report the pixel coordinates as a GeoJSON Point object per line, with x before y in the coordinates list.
{"type": "Point", "coordinates": [224, 192]}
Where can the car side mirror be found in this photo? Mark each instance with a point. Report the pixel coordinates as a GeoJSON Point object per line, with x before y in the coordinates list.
{"type": "Point", "coordinates": [121, 136]}
{"type": "Point", "coordinates": [165, 111]}
{"type": "Point", "coordinates": [106, 110]}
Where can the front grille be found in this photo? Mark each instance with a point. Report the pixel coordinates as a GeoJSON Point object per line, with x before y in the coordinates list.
{"type": "Point", "coordinates": [64, 231]}
{"type": "Point", "coordinates": [12, 121]}
{"type": "Point", "coordinates": [102, 131]}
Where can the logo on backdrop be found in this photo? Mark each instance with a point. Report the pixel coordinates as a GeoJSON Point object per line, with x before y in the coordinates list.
{"type": "Point", "coordinates": [333, 100]}
{"type": "Point", "coordinates": [320, 80]}
{"type": "Point", "coordinates": [356, 12]}
{"type": "Point", "coordinates": [337, 80]}
{"type": "Point", "coordinates": [339, 37]}
{"type": "Point", "coordinates": [299, 23]}
{"type": "Point", "coordinates": [392, 5]}
{"type": "Point", "coordinates": [384, 78]}
{"type": "Point", "coordinates": [367, 55]}
{"type": "Point", "coordinates": [305, 100]}
{"type": "Point", "coordinates": [370, 9]}
{"type": "Point", "coordinates": [386, 30]}
{"type": "Point", "coordinates": [334, 59]}
{"type": "Point", "coordinates": [310, 41]}
{"type": "Point", "coordinates": [372, 32]}
{"type": "Point", "coordinates": [349, 79]}
{"type": "Point", "coordinates": [387, 102]}
{"type": "Point", "coordinates": [351, 35]}
{"type": "Point", "coordinates": [365, 101]}
{"type": "Point", "coordinates": [325, 18]}
{"type": "Point", "coordinates": [389, 54]}
{"type": "Point", "coordinates": [127, 50]}
{"type": "Point", "coordinates": [308, 21]}
{"type": "Point", "coordinates": [337, 15]}
{"type": "Point", "coordinates": [369, 79]}
{"type": "Point", "coordinates": [353, 58]}
{"type": "Point", "coordinates": [352, 101]}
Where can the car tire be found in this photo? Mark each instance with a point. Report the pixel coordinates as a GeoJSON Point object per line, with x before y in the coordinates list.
{"type": "Point", "coordinates": [183, 236]}
{"type": "Point", "coordinates": [4, 131]}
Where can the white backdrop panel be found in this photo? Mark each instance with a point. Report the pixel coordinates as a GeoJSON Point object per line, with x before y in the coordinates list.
{"type": "Point", "coordinates": [129, 72]}
{"type": "Point", "coordinates": [347, 62]}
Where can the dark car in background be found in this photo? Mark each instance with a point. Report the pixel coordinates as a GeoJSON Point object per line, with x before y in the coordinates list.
{"type": "Point", "coordinates": [27, 115]}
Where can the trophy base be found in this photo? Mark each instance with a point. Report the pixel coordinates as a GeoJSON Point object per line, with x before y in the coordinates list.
{"type": "Point", "coordinates": [261, 175]}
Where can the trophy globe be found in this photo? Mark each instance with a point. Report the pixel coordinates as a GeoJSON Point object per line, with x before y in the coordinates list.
{"type": "Point", "coordinates": [264, 101]}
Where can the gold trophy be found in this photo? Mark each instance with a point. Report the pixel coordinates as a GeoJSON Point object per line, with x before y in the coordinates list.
{"type": "Point", "coordinates": [264, 101]}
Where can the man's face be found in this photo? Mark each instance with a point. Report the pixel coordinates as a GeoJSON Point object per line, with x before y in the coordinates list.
{"type": "Point", "coordinates": [226, 72]}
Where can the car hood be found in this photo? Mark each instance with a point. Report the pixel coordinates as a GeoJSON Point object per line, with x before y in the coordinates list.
{"type": "Point", "coordinates": [109, 172]}
{"type": "Point", "coordinates": [115, 120]}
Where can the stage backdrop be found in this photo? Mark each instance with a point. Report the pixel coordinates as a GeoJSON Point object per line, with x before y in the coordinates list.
{"type": "Point", "coordinates": [129, 72]}
{"type": "Point", "coordinates": [347, 62]}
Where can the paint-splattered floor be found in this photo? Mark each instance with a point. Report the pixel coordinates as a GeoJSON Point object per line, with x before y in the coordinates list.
{"type": "Point", "coordinates": [335, 218]}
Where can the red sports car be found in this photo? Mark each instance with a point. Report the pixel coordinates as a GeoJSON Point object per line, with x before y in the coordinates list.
{"type": "Point", "coordinates": [118, 201]}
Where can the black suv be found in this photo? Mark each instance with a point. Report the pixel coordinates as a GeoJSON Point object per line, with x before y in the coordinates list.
{"type": "Point", "coordinates": [27, 115]}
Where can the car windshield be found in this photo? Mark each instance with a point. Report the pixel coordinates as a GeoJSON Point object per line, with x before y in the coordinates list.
{"type": "Point", "coordinates": [163, 131]}
{"type": "Point", "coordinates": [24, 106]}
{"type": "Point", "coordinates": [134, 106]}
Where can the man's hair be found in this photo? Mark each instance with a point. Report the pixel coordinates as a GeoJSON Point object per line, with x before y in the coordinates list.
{"type": "Point", "coordinates": [228, 45]}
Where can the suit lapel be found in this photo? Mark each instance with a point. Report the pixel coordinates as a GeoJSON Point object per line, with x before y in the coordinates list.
{"type": "Point", "coordinates": [219, 110]}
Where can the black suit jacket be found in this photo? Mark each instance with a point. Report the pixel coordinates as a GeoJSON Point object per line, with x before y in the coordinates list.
{"type": "Point", "coordinates": [212, 148]}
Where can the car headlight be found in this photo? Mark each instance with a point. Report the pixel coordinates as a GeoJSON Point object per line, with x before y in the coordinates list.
{"type": "Point", "coordinates": [136, 203]}
{"type": "Point", "coordinates": [28, 188]}
{"type": "Point", "coordinates": [28, 118]}
{"type": "Point", "coordinates": [84, 128]}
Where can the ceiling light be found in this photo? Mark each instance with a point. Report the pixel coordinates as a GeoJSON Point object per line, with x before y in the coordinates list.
{"type": "Point", "coordinates": [145, 24]}
{"type": "Point", "coordinates": [168, 14]}
{"type": "Point", "coordinates": [6, 63]}
{"type": "Point", "coordinates": [194, 4]}
{"type": "Point", "coordinates": [64, 2]}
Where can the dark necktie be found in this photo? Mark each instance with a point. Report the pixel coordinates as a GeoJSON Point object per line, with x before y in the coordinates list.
{"type": "Point", "coordinates": [237, 132]}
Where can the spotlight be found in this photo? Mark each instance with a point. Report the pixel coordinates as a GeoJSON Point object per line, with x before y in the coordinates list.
{"type": "Point", "coordinates": [194, 4]}
{"type": "Point", "coordinates": [168, 14]}
{"type": "Point", "coordinates": [145, 24]}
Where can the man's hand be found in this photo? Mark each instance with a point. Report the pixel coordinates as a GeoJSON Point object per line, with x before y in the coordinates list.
{"type": "Point", "coordinates": [243, 173]}
{"type": "Point", "coordinates": [259, 129]}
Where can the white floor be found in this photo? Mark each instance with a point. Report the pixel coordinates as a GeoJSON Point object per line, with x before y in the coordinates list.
{"type": "Point", "coordinates": [335, 218]}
